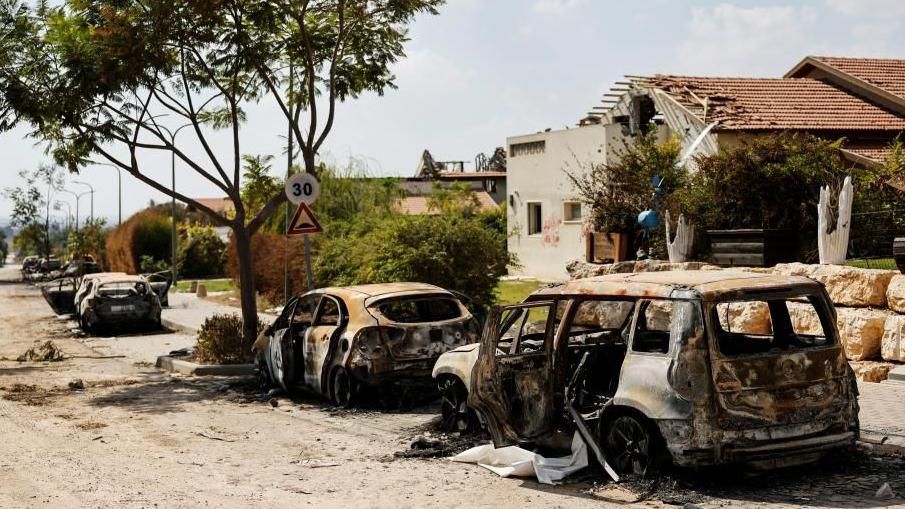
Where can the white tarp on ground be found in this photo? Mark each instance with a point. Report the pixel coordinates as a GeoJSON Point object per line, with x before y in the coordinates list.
{"type": "Point", "coordinates": [515, 461]}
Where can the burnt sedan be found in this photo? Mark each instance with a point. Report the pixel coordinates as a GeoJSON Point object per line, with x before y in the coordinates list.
{"type": "Point", "coordinates": [342, 342]}
{"type": "Point", "coordinates": [119, 300]}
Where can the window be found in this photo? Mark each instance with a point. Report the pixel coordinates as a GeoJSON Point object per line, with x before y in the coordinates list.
{"type": "Point", "coordinates": [571, 211]}
{"type": "Point", "coordinates": [523, 330]}
{"type": "Point", "coordinates": [598, 321]}
{"type": "Point", "coordinates": [420, 310]}
{"type": "Point", "coordinates": [527, 148]}
{"type": "Point", "coordinates": [327, 312]}
{"type": "Point", "coordinates": [304, 309]}
{"type": "Point", "coordinates": [652, 327]}
{"type": "Point", "coordinates": [535, 219]}
{"type": "Point", "coordinates": [771, 325]}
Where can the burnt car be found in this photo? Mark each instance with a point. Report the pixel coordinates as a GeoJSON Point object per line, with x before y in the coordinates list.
{"type": "Point", "coordinates": [700, 368]}
{"type": "Point", "coordinates": [119, 300]}
{"type": "Point", "coordinates": [342, 342]}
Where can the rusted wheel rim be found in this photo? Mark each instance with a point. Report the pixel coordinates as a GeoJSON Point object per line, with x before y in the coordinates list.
{"type": "Point", "coordinates": [628, 446]}
{"type": "Point", "coordinates": [342, 389]}
{"type": "Point", "coordinates": [454, 407]}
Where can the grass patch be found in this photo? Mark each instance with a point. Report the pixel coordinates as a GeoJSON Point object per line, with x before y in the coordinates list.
{"type": "Point", "coordinates": [513, 292]}
{"type": "Point", "coordinates": [213, 285]}
{"type": "Point", "coordinates": [873, 263]}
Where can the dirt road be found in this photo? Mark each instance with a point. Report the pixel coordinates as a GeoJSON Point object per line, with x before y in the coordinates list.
{"type": "Point", "coordinates": [136, 437]}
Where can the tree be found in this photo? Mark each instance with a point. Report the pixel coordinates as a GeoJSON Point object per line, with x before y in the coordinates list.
{"type": "Point", "coordinates": [94, 79]}
{"type": "Point", "coordinates": [31, 204]}
{"type": "Point", "coordinates": [4, 248]}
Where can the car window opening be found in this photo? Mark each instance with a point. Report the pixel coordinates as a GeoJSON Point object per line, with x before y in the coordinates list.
{"type": "Point", "coordinates": [420, 310]}
{"type": "Point", "coordinates": [779, 325]}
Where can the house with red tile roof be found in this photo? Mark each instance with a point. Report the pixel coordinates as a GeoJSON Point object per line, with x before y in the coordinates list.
{"type": "Point", "coordinates": [859, 99]}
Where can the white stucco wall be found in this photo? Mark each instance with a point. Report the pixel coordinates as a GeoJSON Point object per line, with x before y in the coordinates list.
{"type": "Point", "coordinates": [541, 178]}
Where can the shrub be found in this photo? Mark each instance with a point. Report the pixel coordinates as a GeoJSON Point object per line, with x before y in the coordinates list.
{"type": "Point", "coordinates": [268, 250]}
{"type": "Point", "coordinates": [220, 340]}
{"type": "Point", "coordinates": [201, 252]}
{"type": "Point", "coordinates": [451, 251]}
{"type": "Point", "coordinates": [146, 233]}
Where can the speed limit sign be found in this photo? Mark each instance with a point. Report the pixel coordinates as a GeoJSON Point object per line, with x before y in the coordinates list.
{"type": "Point", "coordinates": [302, 188]}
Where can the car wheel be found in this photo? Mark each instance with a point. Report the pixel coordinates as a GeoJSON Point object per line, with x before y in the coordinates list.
{"type": "Point", "coordinates": [342, 388]}
{"type": "Point", "coordinates": [264, 382]}
{"type": "Point", "coordinates": [457, 416]}
{"type": "Point", "coordinates": [631, 447]}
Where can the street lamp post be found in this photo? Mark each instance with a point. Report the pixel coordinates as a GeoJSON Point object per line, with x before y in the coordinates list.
{"type": "Point", "coordinates": [92, 194]}
{"type": "Point", "coordinates": [58, 205]}
{"type": "Point", "coordinates": [119, 189]}
{"type": "Point", "coordinates": [78, 198]}
{"type": "Point", "coordinates": [173, 241]}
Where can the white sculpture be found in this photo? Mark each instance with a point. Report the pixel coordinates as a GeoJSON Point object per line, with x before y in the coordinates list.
{"type": "Point", "coordinates": [679, 249]}
{"type": "Point", "coordinates": [832, 246]}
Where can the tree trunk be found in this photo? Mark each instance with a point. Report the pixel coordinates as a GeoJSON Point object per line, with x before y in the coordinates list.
{"type": "Point", "coordinates": [246, 284]}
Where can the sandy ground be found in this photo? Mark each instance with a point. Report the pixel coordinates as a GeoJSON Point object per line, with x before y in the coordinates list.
{"type": "Point", "coordinates": [137, 437]}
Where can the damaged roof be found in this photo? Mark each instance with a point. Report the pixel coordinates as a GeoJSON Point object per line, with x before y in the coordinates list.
{"type": "Point", "coordinates": [380, 289]}
{"type": "Point", "coordinates": [709, 283]}
{"type": "Point", "coordinates": [776, 103]}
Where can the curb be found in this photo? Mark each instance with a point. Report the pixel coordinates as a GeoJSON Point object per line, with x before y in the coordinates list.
{"type": "Point", "coordinates": [178, 327]}
{"type": "Point", "coordinates": [167, 363]}
{"type": "Point", "coordinates": [897, 374]}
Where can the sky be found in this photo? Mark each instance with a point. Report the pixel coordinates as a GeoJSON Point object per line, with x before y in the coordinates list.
{"type": "Point", "coordinates": [483, 70]}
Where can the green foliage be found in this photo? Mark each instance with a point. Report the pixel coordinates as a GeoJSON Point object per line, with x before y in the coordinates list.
{"type": "Point", "coordinates": [29, 240]}
{"type": "Point", "coordinates": [616, 193]}
{"type": "Point", "coordinates": [201, 252]}
{"type": "Point", "coordinates": [258, 187]}
{"type": "Point", "coordinates": [90, 239]}
{"type": "Point", "coordinates": [148, 265]}
{"type": "Point", "coordinates": [220, 340]}
{"type": "Point", "coordinates": [350, 200]}
{"type": "Point", "coordinates": [451, 251]}
{"type": "Point", "coordinates": [4, 248]}
{"type": "Point", "coordinates": [457, 198]}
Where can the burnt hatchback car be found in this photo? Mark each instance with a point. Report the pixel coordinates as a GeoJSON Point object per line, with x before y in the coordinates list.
{"type": "Point", "coordinates": [342, 341]}
{"type": "Point", "coordinates": [700, 368]}
{"type": "Point", "coordinates": [118, 300]}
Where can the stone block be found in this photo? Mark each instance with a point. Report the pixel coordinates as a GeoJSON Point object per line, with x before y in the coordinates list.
{"type": "Point", "coordinates": [892, 345]}
{"type": "Point", "coordinates": [847, 286]}
{"type": "Point", "coordinates": [871, 371]}
{"type": "Point", "coordinates": [860, 329]}
{"type": "Point", "coordinates": [895, 293]}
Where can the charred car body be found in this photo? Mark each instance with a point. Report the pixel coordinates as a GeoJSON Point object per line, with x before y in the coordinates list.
{"type": "Point", "coordinates": [338, 342]}
{"type": "Point", "coordinates": [700, 368]}
{"type": "Point", "coordinates": [65, 294]}
{"type": "Point", "coordinates": [118, 300]}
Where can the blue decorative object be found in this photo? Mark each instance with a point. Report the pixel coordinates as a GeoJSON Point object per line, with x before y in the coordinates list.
{"type": "Point", "coordinates": [649, 219]}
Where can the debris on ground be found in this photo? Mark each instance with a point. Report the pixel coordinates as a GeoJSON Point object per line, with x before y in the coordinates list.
{"type": "Point", "coordinates": [274, 402]}
{"type": "Point", "coordinates": [31, 395]}
{"type": "Point", "coordinates": [47, 352]}
{"type": "Point", "coordinates": [90, 425]}
{"type": "Point", "coordinates": [77, 385]}
{"type": "Point", "coordinates": [885, 492]}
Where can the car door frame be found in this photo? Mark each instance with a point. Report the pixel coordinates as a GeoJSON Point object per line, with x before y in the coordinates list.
{"type": "Point", "coordinates": [491, 394]}
{"type": "Point", "coordinates": [319, 359]}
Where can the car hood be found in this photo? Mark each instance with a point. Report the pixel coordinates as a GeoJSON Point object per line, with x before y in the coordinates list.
{"type": "Point", "coordinates": [465, 348]}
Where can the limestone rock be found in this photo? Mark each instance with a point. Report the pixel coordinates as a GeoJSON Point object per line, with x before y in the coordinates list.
{"type": "Point", "coordinates": [847, 286]}
{"type": "Point", "coordinates": [579, 269]}
{"type": "Point", "coordinates": [892, 345]}
{"type": "Point", "coordinates": [895, 293]}
{"type": "Point", "coordinates": [606, 314]}
{"type": "Point", "coordinates": [870, 371]}
{"type": "Point", "coordinates": [860, 330]}
{"type": "Point", "coordinates": [745, 317]}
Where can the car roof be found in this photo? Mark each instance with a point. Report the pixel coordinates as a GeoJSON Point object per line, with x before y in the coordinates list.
{"type": "Point", "coordinates": [710, 284]}
{"type": "Point", "coordinates": [380, 290]}
{"type": "Point", "coordinates": [121, 278]}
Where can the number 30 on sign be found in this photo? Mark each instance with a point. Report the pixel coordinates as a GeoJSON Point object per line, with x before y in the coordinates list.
{"type": "Point", "coordinates": [302, 188]}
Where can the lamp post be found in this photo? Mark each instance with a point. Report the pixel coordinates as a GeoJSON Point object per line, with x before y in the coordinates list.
{"type": "Point", "coordinates": [173, 240]}
{"type": "Point", "coordinates": [59, 205]}
{"type": "Point", "coordinates": [78, 198]}
{"type": "Point", "coordinates": [119, 189]}
{"type": "Point", "coordinates": [91, 191]}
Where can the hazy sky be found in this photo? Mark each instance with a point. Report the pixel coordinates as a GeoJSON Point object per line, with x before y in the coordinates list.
{"type": "Point", "coordinates": [486, 69]}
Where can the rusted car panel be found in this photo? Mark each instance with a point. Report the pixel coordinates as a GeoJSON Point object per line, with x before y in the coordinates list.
{"type": "Point", "coordinates": [365, 337]}
{"type": "Point", "coordinates": [714, 392]}
{"type": "Point", "coordinates": [59, 295]}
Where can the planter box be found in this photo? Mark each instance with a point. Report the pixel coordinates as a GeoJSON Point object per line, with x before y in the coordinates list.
{"type": "Point", "coordinates": [751, 248]}
{"type": "Point", "coordinates": [607, 247]}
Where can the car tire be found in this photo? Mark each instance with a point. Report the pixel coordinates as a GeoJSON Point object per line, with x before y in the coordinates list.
{"type": "Point", "coordinates": [631, 446]}
{"type": "Point", "coordinates": [342, 388]}
{"type": "Point", "coordinates": [456, 415]}
{"type": "Point", "coordinates": [263, 376]}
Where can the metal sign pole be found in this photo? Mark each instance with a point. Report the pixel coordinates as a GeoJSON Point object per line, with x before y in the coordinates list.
{"type": "Point", "coordinates": [290, 139]}
{"type": "Point", "coordinates": [308, 262]}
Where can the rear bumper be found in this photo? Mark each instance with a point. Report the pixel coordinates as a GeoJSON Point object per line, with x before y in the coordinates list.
{"type": "Point", "coordinates": [768, 455]}
{"type": "Point", "coordinates": [375, 372]}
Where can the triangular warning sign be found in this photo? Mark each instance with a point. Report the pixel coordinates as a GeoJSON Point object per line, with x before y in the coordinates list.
{"type": "Point", "coordinates": [304, 222]}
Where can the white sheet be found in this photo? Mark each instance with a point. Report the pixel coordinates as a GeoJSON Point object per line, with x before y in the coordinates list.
{"type": "Point", "coordinates": [515, 461]}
